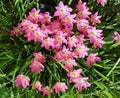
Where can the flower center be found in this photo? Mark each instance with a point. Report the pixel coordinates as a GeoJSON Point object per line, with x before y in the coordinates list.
{"type": "Point", "coordinates": [80, 49]}
{"type": "Point", "coordinates": [75, 75]}
{"type": "Point", "coordinates": [37, 34]}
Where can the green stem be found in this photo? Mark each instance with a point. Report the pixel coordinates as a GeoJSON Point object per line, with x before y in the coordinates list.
{"type": "Point", "coordinates": [57, 62]}
{"type": "Point", "coordinates": [70, 1]}
{"type": "Point", "coordinates": [118, 61]}
{"type": "Point", "coordinates": [100, 74]}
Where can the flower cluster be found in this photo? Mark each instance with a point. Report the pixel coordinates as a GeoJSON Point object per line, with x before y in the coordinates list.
{"type": "Point", "coordinates": [24, 81]}
{"type": "Point", "coordinates": [78, 79]}
{"type": "Point", "coordinates": [59, 35]}
{"type": "Point", "coordinates": [37, 65]}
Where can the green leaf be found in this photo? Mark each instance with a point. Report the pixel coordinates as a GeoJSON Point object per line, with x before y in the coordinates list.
{"type": "Point", "coordinates": [115, 45]}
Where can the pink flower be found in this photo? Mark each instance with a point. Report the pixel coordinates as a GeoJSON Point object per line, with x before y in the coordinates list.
{"type": "Point", "coordinates": [16, 30]}
{"type": "Point", "coordinates": [39, 57]}
{"type": "Point", "coordinates": [68, 31]}
{"type": "Point", "coordinates": [93, 58]}
{"type": "Point", "coordinates": [102, 2]}
{"type": "Point", "coordinates": [81, 83]}
{"type": "Point", "coordinates": [34, 15]}
{"type": "Point", "coordinates": [75, 74]}
{"type": "Point", "coordinates": [55, 26]}
{"type": "Point", "coordinates": [47, 42]}
{"type": "Point", "coordinates": [81, 50]}
{"type": "Point", "coordinates": [116, 36]}
{"type": "Point", "coordinates": [60, 86]}
{"type": "Point", "coordinates": [82, 25]}
{"type": "Point", "coordinates": [45, 18]}
{"type": "Point", "coordinates": [36, 66]}
{"type": "Point", "coordinates": [95, 19]}
{"type": "Point", "coordinates": [80, 39]}
{"type": "Point", "coordinates": [64, 53]}
{"type": "Point", "coordinates": [94, 33]}
{"type": "Point", "coordinates": [83, 14]}
{"type": "Point", "coordinates": [37, 85]}
{"type": "Point", "coordinates": [31, 27]}
{"type": "Point", "coordinates": [58, 55]}
{"type": "Point", "coordinates": [25, 23]}
{"type": "Point", "coordinates": [69, 63]}
{"type": "Point", "coordinates": [81, 22]}
{"type": "Point", "coordinates": [72, 41]}
{"type": "Point", "coordinates": [69, 19]}
{"type": "Point", "coordinates": [22, 80]}
{"type": "Point", "coordinates": [95, 37]}
{"type": "Point", "coordinates": [59, 38]}
{"type": "Point", "coordinates": [45, 30]}
{"type": "Point", "coordinates": [81, 6]}
{"type": "Point", "coordinates": [30, 31]}
{"type": "Point", "coordinates": [98, 42]}
{"type": "Point", "coordinates": [62, 10]}
{"type": "Point", "coordinates": [46, 90]}
{"type": "Point", "coordinates": [38, 35]}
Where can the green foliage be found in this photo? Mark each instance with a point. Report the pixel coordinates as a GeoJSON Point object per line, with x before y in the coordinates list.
{"type": "Point", "coordinates": [16, 55]}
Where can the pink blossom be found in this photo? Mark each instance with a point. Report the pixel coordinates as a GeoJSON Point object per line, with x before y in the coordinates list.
{"type": "Point", "coordinates": [116, 36]}
{"type": "Point", "coordinates": [30, 31]}
{"type": "Point", "coordinates": [81, 83]}
{"type": "Point", "coordinates": [31, 27]}
{"type": "Point", "coordinates": [80, 39]}
{"type": "Point", "coordinates": [58, 55]}
{"type": "Point", "coordinates": [94, 33]}
{"type": "Point", "coordinates": [55, 26]}
{"type": "Point", "coordinates": [34, 15]}
{"type": "Point", "coordinates": [81, 6]}
{"type": "Point", "coordinates": [37, 85]}
{"type": "Point", "coordinates": [93, 58]}
{"type": "Point", "coordinates": [45, 18]}
{"type": "Point", "coordinates": [22, 80]}
{"type": "Point", "coordinates": [39, 57]}
{"type": "Point", "coordinates": [62, 54]}
{"type": "Point", "coordinates": [95, 19]}
{"type": "Point", "coordinates": [38, 35]}
{"type": "Point", "coordinates": [16, 30]}
{"type": "Point", "coordinates": [71, 55]}
{"type": "Point", "coordinates": [82, 25]}
{"type": "Point", "coordinates": [46, 30]}
{"type": "Point", "coordinates": [46, 90]}
{"type": "Point", "coordinates": [102, 2]}
{"type": "Point", "coordinates": [62, 10]}
{"type": "Point", "coordinates": [57, 47]}
{"type": "Point", "coordinates": [75, 74]}
{"type": "Point", "coordinates": [69, 19]}
{"type": "Point", "coordinates": [60, 86]}
{"type": "Point", "coordinates": [69, 63]}
{"type": "Point", "coordinates": [36, 66]}
{"type": "Point", "coordinates": [98, 42]}
{"type": "Point", "coordinates": [25, 23]}
{"type": "Point", "coordinates": [68, 31]}
{"type": "Point", "coordinates": [81, 50]}
{"type": "Point", "coordinates": [81, 22]}
{"type": "Point", "coordinates": [83, 14]}
{"type": "Point", "coordinates": [47, 42]}
{"type": "Point", "coordinates": [59, 38]}
{"type": "Point", "coordinates": [72, 41]}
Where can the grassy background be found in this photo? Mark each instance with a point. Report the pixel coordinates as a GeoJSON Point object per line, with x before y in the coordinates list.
{"type": "Point", "coordinates": [17, 54]}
